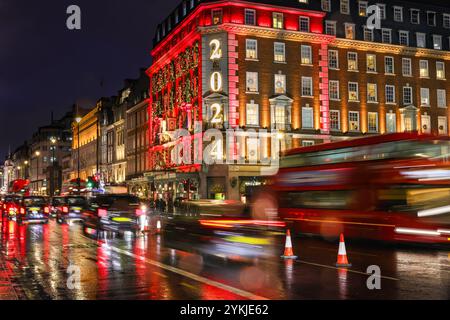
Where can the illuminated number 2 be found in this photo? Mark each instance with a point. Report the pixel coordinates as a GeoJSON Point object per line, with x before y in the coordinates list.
{"type": "Point", "coordinates": [216, 109]}
{"type": "Point", "coordinates": [216, 81]}
{"type": "Point", "coordinates": [216, 51]}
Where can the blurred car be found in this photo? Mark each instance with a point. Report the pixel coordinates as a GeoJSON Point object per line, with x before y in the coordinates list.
{"type": "Point", "coordinates": [114, 212]}
{"type": "Point", "coordinates": [221, 228]}
{"type": "Point", "coordinates": [33, 209]}
{"type": "Point", "coordinates": [69, 208]}
{"type": "Point", "coordinates": [10, 206]}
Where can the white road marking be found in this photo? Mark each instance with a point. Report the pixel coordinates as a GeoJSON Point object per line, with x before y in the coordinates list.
{"type": "Point", "coordinates": [190, 275]}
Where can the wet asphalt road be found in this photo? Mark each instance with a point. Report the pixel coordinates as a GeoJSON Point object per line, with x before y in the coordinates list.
{"type": "Point", "coordinates": [34, 262]}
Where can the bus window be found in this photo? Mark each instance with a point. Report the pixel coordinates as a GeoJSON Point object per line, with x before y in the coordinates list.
{"type": "Point", "coordinates": [335, 199]}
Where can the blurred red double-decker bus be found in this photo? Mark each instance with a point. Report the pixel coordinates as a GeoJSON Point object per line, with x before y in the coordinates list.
{"type": "Point", "coordinates": [393, 187]}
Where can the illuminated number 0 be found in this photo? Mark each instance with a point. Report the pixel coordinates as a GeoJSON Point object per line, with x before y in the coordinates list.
{"type": "Point", "coordinates": [216, 51]}
{"type": "Point", "coordinates": [216, 81]}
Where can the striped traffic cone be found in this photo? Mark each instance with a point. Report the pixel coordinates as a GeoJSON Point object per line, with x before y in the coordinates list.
{"type": "Point", "coordinates": [342, 261]}
{"type": "Point", "coordinates": [288, 252]}
{"type": "Point", "coordinates": [158, 226]}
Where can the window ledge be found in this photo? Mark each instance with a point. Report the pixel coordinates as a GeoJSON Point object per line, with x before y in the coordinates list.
{"type": "Point", "coordinates": [352, 70]}
{"type": "Point", "coordinates": [249, 59]}
{"type": "Point", "coordinates": [280, 62]}
{"type": "Point", "coordinates": [337, 100]}
{"type": "Point", "coordinates": [391, 103]}
{"type": "Point", "coordinates": [425, 106]}
{"type": "Point", "coordinates": [311, 97]}
{"type": "Point", "coordinates": [307, 65]}
{"type": "Point", "coordinates": [372, 72]}
{"type": "Point", "coordinates": [425, 78]}
{"type": "Point", "coordinates": [334, 69]}
{"type": "Point", "coordinates": [390, 74]}
{"type": "Point", "coordinates": [443, 107]}
{"type": "Point", "coordinates": [356, 101]}
{"type": "Point", "coordinates": [252, 92]}
{"type": "Point", "coordinates": [441, 79]}
{"type": "Point", "coordinates": [372, 102]}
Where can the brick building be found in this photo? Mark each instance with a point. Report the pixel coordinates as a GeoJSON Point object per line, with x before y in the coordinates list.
{"type": "Point", "coordinates": [312, 71]}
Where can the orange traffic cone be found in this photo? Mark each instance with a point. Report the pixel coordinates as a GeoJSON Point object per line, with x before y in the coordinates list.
{"type": "Point", "coordinates": [158, 226]}
{"type": "Point", "coordinates": [288, 252]}
{"type": "Point", "coordinates": [342, 261]}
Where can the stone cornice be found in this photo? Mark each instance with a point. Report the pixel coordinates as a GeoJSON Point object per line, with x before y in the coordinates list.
{"type": "Point", "coordinates": [271, 33]}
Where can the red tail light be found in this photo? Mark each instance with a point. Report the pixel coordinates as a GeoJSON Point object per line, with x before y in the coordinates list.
{"type": "Point", "coordinates": [139, 212]}
{"type": "Point", "coordinates": [65, 209]}
{"type": "Point", "coordinates": [22, 210]}
{"type": "Point", "coordinates": [46, 210]}
{"type": "Point", "coordinates": [102, 213]}
{"type": "Point", "coordinates": [4, 206]}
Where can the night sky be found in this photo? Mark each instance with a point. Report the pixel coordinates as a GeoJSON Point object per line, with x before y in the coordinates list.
{"type": "Point", "coordinates": [45, 67]}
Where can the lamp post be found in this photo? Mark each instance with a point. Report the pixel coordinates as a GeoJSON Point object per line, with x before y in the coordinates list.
{"type": "Point", "coordinates": [37, 153]}
{"type": "Point", "coordinates": [25, 172]}
{"type": "Point", "coordinates": [78, 120]}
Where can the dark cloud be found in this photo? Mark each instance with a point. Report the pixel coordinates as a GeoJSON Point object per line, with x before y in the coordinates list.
{"type": "Point", "coordinates": [45, 67]}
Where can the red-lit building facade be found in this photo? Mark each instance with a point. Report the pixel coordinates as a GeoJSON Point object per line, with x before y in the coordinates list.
{"type": "Point", "coordinates": [261, 67]}
{"type": "Point", "coordinates": [214, 64]}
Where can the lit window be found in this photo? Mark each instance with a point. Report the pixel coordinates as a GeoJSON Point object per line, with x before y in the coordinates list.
{"type": "Point", "coordinates": [251, 50]}
{"type": "Point", "coordinates": [407, 96]}
{"type": "Point", "coordinates": [280, 83]}
{"type": "Point", "coordinates": [250, 17]}
{"type": "Point", "coordinates": [390, 94]}
{"type": "Point", "coordinates": [440, 70]}
{"type": "Point", "coordinates": [437, 42]}
{"type": "Point", "coordinates": [345, 6]}
{"type": "Point", "coordinates": [279, 52]}
{"type": "Point", "coordinates": [350, 31]}
{"type": "Point", "coordinates": [333, 87]}
{"type": "Point", "coordinates": [333, 59]}
{"type": "Point", "coordinates": [216, 16]}
{"type": "Point", "coordinates": [277, 20]}
{"type": "Point", "coordinates": [335, 121]}
{"type": "Point", "coordinates": [330, 28]}
{"type": "Point", "coordinates": [403, 38]}
{"type": "Point", "coordinates": [421, 40]}
{"type": "Point", "coordinates": [398, 14]}
{"type": "Point", "coordinates": [252, 114]}
{"type": "Point", "coordinates": [386, 35]}
{"type": "Point", "coordinates": [252, 82]}
{"type": "Point", "coordinates": [307, 143]}
{"type": "Point", "coordinates": [353, 120]}
{"type": "Point", "coordinates": [307, 118]}
{"type": "Point", "coordinates": [442, 98]}
{"type": "Point", "coordinates": [372, 95]}
{"type": "Point", "coordinates": [306, 54]}
{"type": "Point", "coordinates": [442, 125]}
{"type": "Point", "coordinates": [389, 65]}
{"type": "Point", "coordinates": [372, 123]}
{"type": "Point", "coordinates": [304, 24]}
{"type": "Point", "coordinates": [423, 66]}
{"type": "Point", "coordinates": [426, 123]}
{"type": "Point", "coordinates": [424, 97]}
{"type": "Point", "coordinates": [352, 59]}
{"type": "Point", "coordinates": [307, 87]}
{"type": "Point", "coordinates": [391, 122]}
{"type": "Point", "coordinates": [371, 63]}
{"type": "Point", "coordinates": [280, 117]}
{"type": "Point", "coordinates": [415, 16]}
{"type": "Point", "coordinates": [406, 67]}
{"type": "Point", "coordinates": [362, 8]}
{"type": "Point", "coordinates": [353, 94]}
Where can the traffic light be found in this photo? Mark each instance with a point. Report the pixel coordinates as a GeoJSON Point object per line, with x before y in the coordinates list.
{"type": "Point", "coordinates": [92, 183]}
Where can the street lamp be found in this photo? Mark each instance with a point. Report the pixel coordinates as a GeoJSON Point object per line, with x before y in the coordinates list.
{"type": "Point", "coordinates": [25, 164]}
{"type": "Point", "coordinates": [78, 120]}
{"type": "Point", "coordinates": [53, 141]}
{"type": "Point", "coordinates": [37, 153]}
